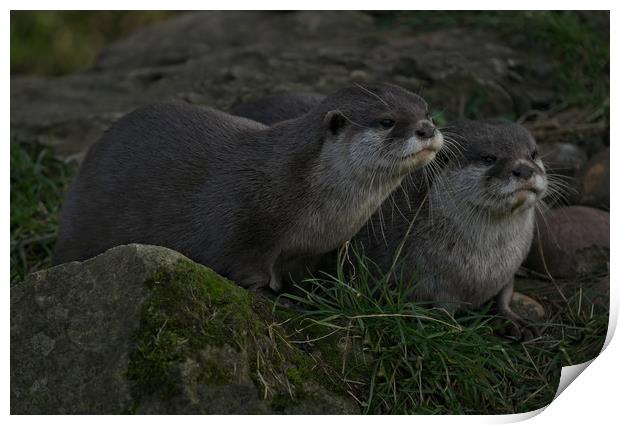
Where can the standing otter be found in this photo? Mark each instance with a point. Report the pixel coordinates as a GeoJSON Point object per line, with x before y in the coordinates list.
{"type": "Point", "coordinates": [254, 203]}
{"type": "Point", "coordinates": [463, 234]}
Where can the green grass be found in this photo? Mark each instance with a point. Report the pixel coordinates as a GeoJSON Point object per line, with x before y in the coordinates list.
{"type": "Point", "coordinates": [423, 361]}
{"type": "Point", "coordinates": [38, 182]}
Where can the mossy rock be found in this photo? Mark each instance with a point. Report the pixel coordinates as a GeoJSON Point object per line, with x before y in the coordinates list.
{"type": "Point", "coordinates": [142, 329]}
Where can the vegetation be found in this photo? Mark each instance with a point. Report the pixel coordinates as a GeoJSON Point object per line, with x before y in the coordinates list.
{"type": "Point", "coordinates": [421, 360]}
{"type": "Point", "coordinates": [38, 183]}
{"type": "Point", "coordinates": [59, 42]}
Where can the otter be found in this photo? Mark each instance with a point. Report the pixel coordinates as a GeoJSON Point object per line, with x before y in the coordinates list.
{"type": "Point", "coordinates": [474, 216]}
{"type": "Point", "coordinates": [278, 107]}
{"type": "Point", "coordinates": [460, 233]}
{"type": "Point", "coordinates": [257, 204]}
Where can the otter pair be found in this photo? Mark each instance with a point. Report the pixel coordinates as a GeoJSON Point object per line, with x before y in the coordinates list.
{"type": "Point", "coordinates": [259, 203]}
{"type": "Point", "coordinates": [459, 232]}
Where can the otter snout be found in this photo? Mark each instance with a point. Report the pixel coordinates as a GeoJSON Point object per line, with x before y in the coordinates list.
{"type": "Point", "coordinates": [424, 145]}
{"type": "Point", "coordinates": [523, 171]}
{"type": "Point", "coordinates": [529, 177]}
{"type": "Point", "coordinates": [425, 129]}
{"type": "Point", "coordinates": [518, 183]}
{"type": "Point", "coordinates": [527, 184]}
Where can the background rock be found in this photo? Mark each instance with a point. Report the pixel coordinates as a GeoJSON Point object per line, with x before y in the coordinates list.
{"type": "Point", "coordinates": [224, 58]}
{"type": "Point", "coordinates": [572, 241]}
{"type": "Point", "coordinates": [563, 163]}
{"type": "Point", "coordinates": [595, 178]}
{"type": "Point", "coordinates": [142, 329]}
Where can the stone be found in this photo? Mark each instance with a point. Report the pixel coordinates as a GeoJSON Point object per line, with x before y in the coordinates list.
{"type": "Point", "coordinates": [142, 329]}
{"type": "Point", "coordinates": [570, 242]}
{"type": "Point", "coordinates": [223, 58]}
{"type": "Point", "coordinates": [595, 186]}
{"type": "Point", "coordinates": [563, 163]}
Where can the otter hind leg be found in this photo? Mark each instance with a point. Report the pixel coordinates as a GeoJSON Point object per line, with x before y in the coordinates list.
{"type": "Point", "coordinates": [518, 328]}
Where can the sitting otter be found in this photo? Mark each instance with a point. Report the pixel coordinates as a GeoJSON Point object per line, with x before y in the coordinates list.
{"type": "Point", "coordinates": [466, 231]}
{"type": "Point", "coordinates": [254, 203]}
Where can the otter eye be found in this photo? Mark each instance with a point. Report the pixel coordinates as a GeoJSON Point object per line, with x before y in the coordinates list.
{"type": "Point", "coordinates": [387, 123]}
{"type": "Point", "coordinates": [488, 159]}
{"type": "Point", "coordinates": [428, 116]}
{"type": "Point", "coordinates": [534, 154]}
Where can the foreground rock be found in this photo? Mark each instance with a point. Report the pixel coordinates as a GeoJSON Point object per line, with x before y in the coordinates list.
{"type": "Point", "coordinates": [572, 241]}
{"type": "Point", "coordinates": [141, 329]}
{"type": "Point", "coordinates": [223, 58]}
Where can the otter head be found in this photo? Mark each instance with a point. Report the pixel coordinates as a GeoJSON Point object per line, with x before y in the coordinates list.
{"type": "Point", "coordinates": [496, 167]}
{"type": "Point", "coordinates": [380, 130]}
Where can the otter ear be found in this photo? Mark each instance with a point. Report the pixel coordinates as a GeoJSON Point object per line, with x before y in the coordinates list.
{"type": "Point", "coordinates": [334, 121]}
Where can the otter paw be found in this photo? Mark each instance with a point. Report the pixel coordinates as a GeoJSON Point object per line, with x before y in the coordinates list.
{"type": "Point", "coordinates": [518, 330]}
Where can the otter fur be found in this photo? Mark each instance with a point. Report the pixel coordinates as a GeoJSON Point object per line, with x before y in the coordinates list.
{"type": "Point", "coordinates": [463, 230]}
{"type": "Point", "coordinates": [255, 203]}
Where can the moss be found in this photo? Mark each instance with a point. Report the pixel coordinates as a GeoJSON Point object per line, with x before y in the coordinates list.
{"type": "Point", "coordinates": [294, 377]}
{"type": "Point", "coordinates": [201, 326]}
{"type": "Point", "coordinates": [189, 308]}
{"type": "Point", "coordinates": [330, 350]}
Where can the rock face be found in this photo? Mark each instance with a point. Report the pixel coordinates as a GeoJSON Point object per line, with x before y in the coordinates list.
{"type": "Point", "coordinates": [142, 329]}
{"type": "Point", "coordinates": [223, 58]}
{"type": "Point", "coordinates": [573, 241]}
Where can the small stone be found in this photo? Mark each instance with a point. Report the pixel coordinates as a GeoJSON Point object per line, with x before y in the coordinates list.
{"type": "Point", "coordinates": [595, 178]}
{"type": "Point", "coordinates": [572, 241]}
{"type": "Point", "coordinates": [563, 162]}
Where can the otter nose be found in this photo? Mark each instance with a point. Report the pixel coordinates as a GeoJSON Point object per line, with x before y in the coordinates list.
{"type": "Point", "coordinates": [425, 130]}
{"type": "Point", "coordinates": [523, 171]}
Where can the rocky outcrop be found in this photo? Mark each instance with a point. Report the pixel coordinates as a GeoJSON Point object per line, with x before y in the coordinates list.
{"type": "Point", "coordinates": [223, 58]}
{"type": "Point", "coordinates": [142, 329]}
{"type": "Point", "coordinates": [571, 242]}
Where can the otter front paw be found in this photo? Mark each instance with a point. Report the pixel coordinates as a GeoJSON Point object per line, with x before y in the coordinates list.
{"type": "Point", "coordinates": [516, 327]}
{"type": "Point", "coordinates": [518, 330]}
